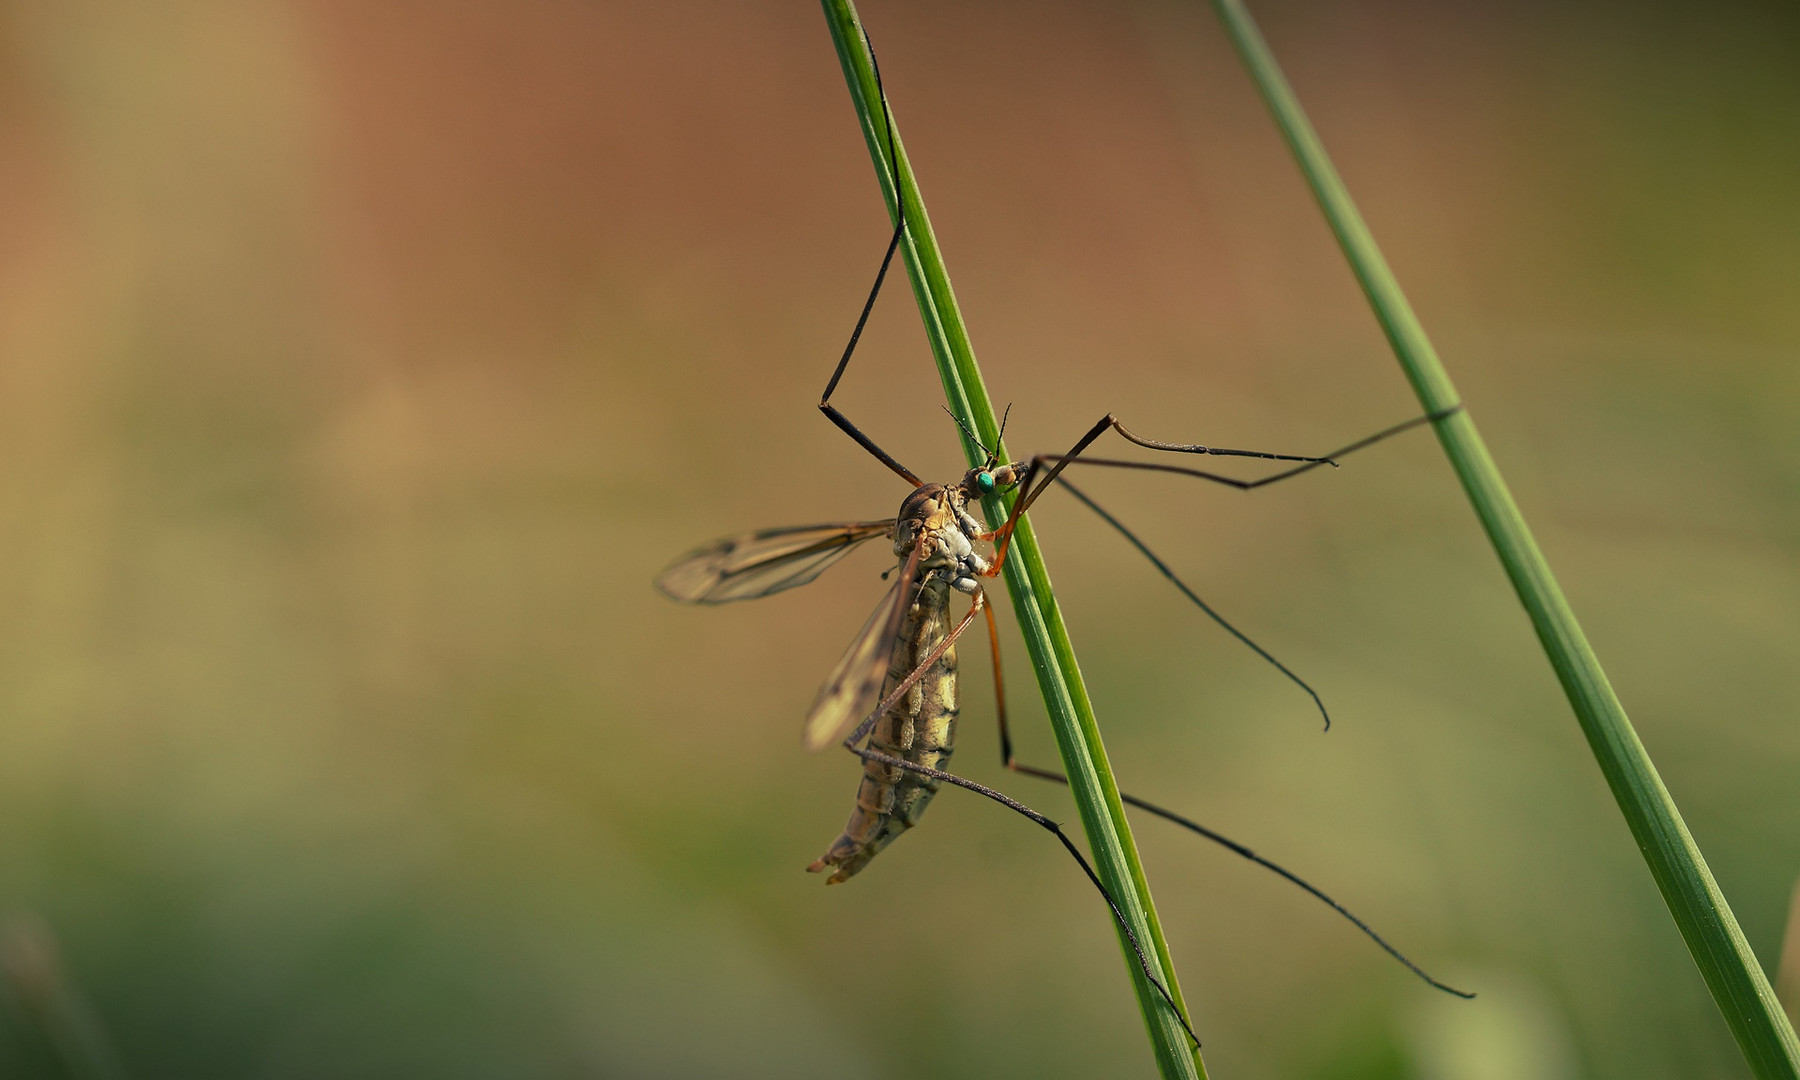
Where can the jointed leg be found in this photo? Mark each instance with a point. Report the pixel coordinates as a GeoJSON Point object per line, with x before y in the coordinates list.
{"type": "Point", "coordinates": [1307, 464]}
{"type": "Point", "coordinates": [1013, 764]}
{"type": "Point", "coordinates": [825, 406]}
{"type": "Point", "coordinates": [1036, 480]}
{"type": "Point", "coordinates": [1062, 837]}
{"type": "Point", "coordinates": [853, 740]}
{"type": "Point", "coordinates": [1163, 569]}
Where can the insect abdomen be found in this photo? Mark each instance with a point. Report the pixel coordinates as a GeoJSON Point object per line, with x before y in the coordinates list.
{"type": "Point", "coordinates": [921, 728]}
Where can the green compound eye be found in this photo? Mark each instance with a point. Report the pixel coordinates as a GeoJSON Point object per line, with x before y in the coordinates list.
{"type": "Point", "coordinates": [985, 481]}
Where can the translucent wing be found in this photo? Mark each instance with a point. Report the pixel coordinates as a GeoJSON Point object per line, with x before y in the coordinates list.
{"type": "Point", "coordinates": [854, 686]}
{"type": "Point", "coordinates": [759, 563]}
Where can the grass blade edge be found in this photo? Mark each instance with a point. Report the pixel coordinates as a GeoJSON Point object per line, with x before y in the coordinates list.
{"type": "Point", "coordinates": [1725, 959]}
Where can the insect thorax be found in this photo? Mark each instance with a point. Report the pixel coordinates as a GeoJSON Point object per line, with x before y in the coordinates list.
{"type": "Point", "coordinates": [936, 518]}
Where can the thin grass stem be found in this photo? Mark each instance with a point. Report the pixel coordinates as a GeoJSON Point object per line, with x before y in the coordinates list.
{"type": "Point", "coordinates": [1096, 794]}
{"type": "Point", "coordinates": [1725, 960]}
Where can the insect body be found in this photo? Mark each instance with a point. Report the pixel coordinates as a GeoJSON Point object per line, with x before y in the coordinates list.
{"type": "Point", "coordinates": [904, 657]}
{"type": "Point", "coordinates": [920, 724]}
{"type": "Point", "coordinates": [920, 727]}
{"type": "Point", "coordinates": [897, 679]}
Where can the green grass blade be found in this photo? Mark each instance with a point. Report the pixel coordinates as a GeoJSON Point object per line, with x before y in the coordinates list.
{"type": "Point", "coordinates": [1096, 794]}
{"type": "Point", "coordinates": [1725, 960]}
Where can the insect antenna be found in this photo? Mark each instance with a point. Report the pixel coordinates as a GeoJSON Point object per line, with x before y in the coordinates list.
{"type": "Point", "coordinates": [974, 438]}
{"type": "Point", "coordinates": [1000, 437]}
{"type": "Point", "coordinates": [993, 453]}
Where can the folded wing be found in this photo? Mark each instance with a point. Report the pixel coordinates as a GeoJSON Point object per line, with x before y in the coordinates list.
{"type": "Point", "coordinates": [853, 689]}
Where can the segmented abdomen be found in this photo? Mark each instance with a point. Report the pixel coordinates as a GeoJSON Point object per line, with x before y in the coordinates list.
{"type": "Point", "coordinates": [921, 728]}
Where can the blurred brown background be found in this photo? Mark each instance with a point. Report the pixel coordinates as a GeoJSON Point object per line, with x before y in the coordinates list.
{"type": "Point", "coordinates": [360, 364]}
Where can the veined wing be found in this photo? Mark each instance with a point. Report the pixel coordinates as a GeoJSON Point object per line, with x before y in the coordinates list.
{"type": "Point", "coordinates": [854, 686]}
{"type": "Point", "coordinates": [759, 563]}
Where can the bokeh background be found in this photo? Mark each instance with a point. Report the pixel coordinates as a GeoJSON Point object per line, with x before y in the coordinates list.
{"type": "Point", "coordinates": [360, 364]}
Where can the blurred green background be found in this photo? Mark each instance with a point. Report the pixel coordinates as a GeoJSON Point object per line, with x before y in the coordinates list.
{"type": "Point", "coordinates": [360, 364]}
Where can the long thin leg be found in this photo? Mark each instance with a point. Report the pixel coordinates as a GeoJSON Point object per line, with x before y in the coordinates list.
{"type": "Point", "coordinates": [825, 406]}
{"type": "Point", "coordinates": [1036, 481]}
{"type": "Point", "coordinates": [862, 730]}
{"type": "Point", "coordinates": [1163, 569]}
{"type": "Point", "coordinates": [1307, 463]}
{"type": "Point", "coordinates": [1013, 764]}
{"type": "Point", "coordinates": [1032, 486]}
{"type": "Point", "coordinates": [1068, 845]}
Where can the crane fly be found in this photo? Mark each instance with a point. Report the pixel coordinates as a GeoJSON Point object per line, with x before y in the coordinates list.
{"type": "Point", "coordinates": [898, 675]}
{"type": "Point", "coordinates": [895, 686]}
